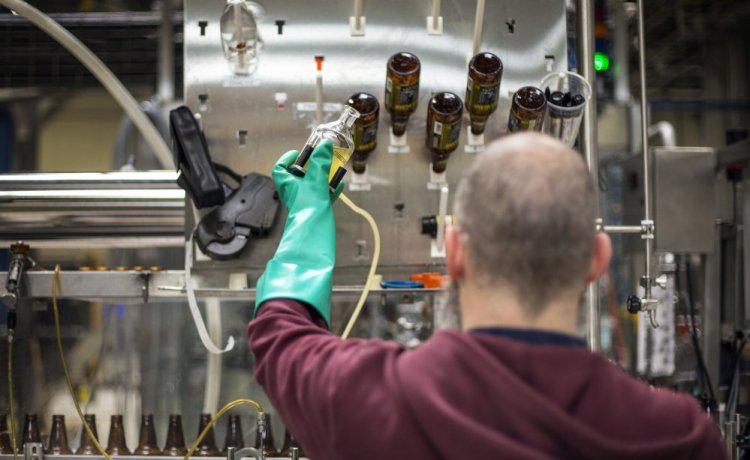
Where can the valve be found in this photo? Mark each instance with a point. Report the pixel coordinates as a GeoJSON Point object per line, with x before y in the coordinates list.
{"type": "Point", "coordinates": [633, 304]}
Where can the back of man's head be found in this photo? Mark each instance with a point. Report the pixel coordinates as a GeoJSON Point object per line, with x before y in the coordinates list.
{"type": "Point", "coordinates": [527, 208]}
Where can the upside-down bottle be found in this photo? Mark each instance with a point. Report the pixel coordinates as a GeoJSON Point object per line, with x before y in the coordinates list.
{"type": "Point", "coordinates": [5, 445]}
{"type": "Point", "coordinates": [443, 128]}
{"type": "Point", "coordinates": [86, 445]}
{"type": "Point", "coordinates": [269, 445]}
{"type": "Point", "coordinates": [147, 444]}
{"type": "Point", "coordinates": [116, 444]}
{"type": "Point", "coordinates": [289, 442]}
{"type": "Point", "coordinates": [31, 430]}
{"type": "Point", "coordinates": [527, 110]}
{"type": "Point", "coordinates": [402, 89]}
{"type": "Point", "coordinates": [58, 438]}
{"type": "Point", "coordinates": [175, 444]}
{"type": "Point", "coordinates": [365, 128]}
{"type": "Point", "coordinates": [207, 446]}
{"type": "Point", "coordinates": [234, 436]}
{"type": "Point", "coordinates": [482, 89]}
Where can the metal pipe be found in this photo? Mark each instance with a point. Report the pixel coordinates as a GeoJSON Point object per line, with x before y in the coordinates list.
{"type": "Point", "coordinates": [166, 52]}
{"type": "Point", "coordinates": [588, 141]}
{"type": "Point", "coordinates": [478, 23]}
{"type": "Point", "coordinates": [622, 229]}
{"type": "Point", "coordinates": [648, 238]}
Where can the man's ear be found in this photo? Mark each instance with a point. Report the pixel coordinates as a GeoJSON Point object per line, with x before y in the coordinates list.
{"type": "Point", "coordinates": [600, 257]}
{"type": "Point", "coordinates": [455, 253]}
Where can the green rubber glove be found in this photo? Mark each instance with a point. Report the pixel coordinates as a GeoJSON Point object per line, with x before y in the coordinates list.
{"type": "Point", "coordinates": [302, 268]}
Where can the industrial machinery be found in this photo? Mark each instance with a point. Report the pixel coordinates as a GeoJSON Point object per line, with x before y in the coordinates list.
{"type": "Point", "coordinates": [258, 78]}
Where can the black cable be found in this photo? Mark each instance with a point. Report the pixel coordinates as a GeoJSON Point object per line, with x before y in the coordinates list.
{"type": "Point", "coordinates": [702, 370]}
{"type": "Point", "coordinates": [224, 169]}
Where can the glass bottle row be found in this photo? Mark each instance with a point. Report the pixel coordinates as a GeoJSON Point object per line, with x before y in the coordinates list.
{"type": "Point", "coordinates": [147, 444]}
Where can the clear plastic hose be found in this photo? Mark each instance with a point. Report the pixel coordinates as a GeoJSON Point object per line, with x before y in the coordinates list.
{"type": "Point", "coordinates": [101, 72]}
{"type": "Point", "coordinates": [373, 265]}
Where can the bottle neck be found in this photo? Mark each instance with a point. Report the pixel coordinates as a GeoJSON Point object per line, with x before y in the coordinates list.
{"type": "Point", "coordinates": [348, 116]}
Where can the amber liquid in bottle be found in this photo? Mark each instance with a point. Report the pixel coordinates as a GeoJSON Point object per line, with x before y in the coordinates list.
{"type": "Point", "coordinates": [527, 110]}
{"type": "Point", "coordinates": [289, 442]}
{"type": "Point", "coordinates": [402, 89]}
{"type": "Point", "coordinates": [269, 446]}
{"type": "Point", "coordinates": [58, 438]}
{"type": "Point", "coordinates": [234, 436]}
{"type": "Point", "coordinates": [443, 128]}
{"type": "Point", "coordinates": [116, 444]}
{"type": "Point", "coordinates": [31, 430]}
{"type": "Point", "coordinates": [483, 89]}
{"type": "Point", "coordinates": [175, 445]}
{"type": "Point", "coordinates": [365, 130]}
{"type": "Point", "coordinates": [207, 446]}
{"type": "Point", "coordinates": [147, 444]}
{"type": "Point", "coordinates": [86, 445]}
{"type": "Point", "coordinates": [5, 445]}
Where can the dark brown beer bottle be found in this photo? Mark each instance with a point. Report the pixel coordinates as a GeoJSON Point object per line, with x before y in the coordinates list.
{"type": "Point", "coordinates": [402, 89]}
{"type": "Point", "coordinates": [234, 436]}
{"type": "Point", "coordinates": [289, 442]}
{"type": "Point", "coordinates": [116, 444]}
{"type": "Point", "coordinates": [58, 438]}
{"type": "Point", "coordinates": [527, 110]}
{"type": "Point", "coordinates": [443, 127]}
{"type": "Point", "coordinates": [5, 445]}
{"type": "Point", "coordinates": [147, 444]}
{"type": "Point", "coordinates": [86, 445]}
{"type": "Point", "coordinates": [31, 430]}
{"type": "Point", "coordinates": [483, 89]}
{"type": "Point", "coordinates": [175, 445]}
{"type": "Point", "coordinates": [207, 446]}
{"type": "Point", "coordinates": [365, 132]}
{"type": "Point", "coordinates": [269, 445]}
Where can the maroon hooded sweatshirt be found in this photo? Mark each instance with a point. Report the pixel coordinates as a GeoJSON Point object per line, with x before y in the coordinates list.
{"type": "Point", "coordinates": [465, 395]}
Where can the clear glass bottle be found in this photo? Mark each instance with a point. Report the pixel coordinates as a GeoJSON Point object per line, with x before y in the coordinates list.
{"type": "Point", "coordinates": [31, 430]}
{"type": "Point", "coordinates": [5, 445]}
{"type": "Point", "coordinates": [207, 446]}
{"type": "Point", "coordinates": [58, 438]}
{"type": "Point", "coordinates": [86, 445]}
{"type": "Point", "coordinates": [234, 436]}
{"type": "Point", "coordinates": [340, 133]}
{"type": "Point", "coordinates": [116, 444]}
{"type": "Point", "coordinates": [239, 37]}
{"type": "Point", "coordinates": [527, 110]}
{"type": "Point", "coordinates": [147, 444]}
{"type": "Point", "coordinates": [443, 128]}
{"type": "Point", "coordinates": [365, 128]}
{"type": "Point", "coordinates": [483, 89]}
{"type": "Point", "coordinates": [269, 445]}
{"type": "Point", "coordinates": [175, 444]}
{"type": "Point", "coordinates": [402, 89]}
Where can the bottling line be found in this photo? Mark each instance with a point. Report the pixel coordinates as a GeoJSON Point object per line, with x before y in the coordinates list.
{"type": "Point", "coordinates": [188, 215]}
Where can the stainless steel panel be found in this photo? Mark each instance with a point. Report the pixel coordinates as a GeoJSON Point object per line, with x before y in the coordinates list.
{"type": "Point", "coordinates": [684, 190]}
{"type": "Point", "coordinates": [535, 46]}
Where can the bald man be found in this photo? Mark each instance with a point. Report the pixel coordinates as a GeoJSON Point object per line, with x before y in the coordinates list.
{"type": "Point", "coordinates": [516, 382]}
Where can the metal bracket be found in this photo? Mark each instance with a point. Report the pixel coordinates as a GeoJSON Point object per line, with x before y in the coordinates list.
{"type": "Point", "coordinates": [33, 451]}
{"type": "Point", "coordinates": [234, 454]}
{"type": "Point", "coordinates": [647, 229]}
{"type": "Point", "coordinates": [146, 276]}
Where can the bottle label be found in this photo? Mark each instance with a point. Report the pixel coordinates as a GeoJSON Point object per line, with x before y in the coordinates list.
{"type": "Point", "coordinates": [481, 99]}
{"type": "Point", "coordinates": [365, 136]}
{"type": "Point", "coordinates": [401, 97]}
{"type": "Point", "coordinates": [445, 135]}
{"type": "Point", "coordinates": [517, 123]}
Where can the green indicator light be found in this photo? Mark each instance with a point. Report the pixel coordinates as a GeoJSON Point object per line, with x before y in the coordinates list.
{"type": "Point", "coordinates": [601, 62]}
